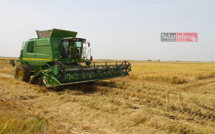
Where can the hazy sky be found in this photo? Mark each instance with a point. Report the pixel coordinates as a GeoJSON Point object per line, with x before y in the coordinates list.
{"type": "Point", "coordinates": [116, 29]}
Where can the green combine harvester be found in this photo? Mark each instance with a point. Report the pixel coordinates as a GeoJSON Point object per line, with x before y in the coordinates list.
{"type": "Point", "coordinates": [57, 57]}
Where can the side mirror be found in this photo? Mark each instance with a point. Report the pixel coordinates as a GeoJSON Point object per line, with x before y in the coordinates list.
{"type": "Point", "coordinates": [88, 44]}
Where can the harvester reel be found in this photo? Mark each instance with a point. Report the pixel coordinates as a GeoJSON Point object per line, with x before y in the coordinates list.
{"type": "Point", "coordinates": [22, 72]}
{"type": "Point", "coordinates": [126, 64]}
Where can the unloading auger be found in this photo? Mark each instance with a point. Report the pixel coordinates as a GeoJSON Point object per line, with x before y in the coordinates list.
{"type": "Point", "coordinates": [57, 57]}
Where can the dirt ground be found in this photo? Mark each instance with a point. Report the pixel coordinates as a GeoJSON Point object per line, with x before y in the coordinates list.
{"type": "Point", "coordinates": [123, 105]}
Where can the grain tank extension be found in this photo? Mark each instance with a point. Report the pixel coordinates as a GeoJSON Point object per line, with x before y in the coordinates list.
{"type": "Point", "coordinates": [58, 57]}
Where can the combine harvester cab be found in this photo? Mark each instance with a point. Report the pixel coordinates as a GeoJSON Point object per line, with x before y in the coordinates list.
{"type": "Point", "coordinates": [57, 57]}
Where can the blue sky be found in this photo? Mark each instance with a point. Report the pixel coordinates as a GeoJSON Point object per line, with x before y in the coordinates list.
{"type": "Point", "coordinates": [117, 29]}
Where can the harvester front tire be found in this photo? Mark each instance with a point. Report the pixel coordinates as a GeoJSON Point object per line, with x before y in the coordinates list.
{"type": "Point", "coordinates": [22, 72]}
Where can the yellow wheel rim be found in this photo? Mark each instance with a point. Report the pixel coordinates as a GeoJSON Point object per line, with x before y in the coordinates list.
{"type": "Point", "coordinates": [19, 74]}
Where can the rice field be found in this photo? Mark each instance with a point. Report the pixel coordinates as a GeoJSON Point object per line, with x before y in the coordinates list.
{"type": "Point", "coordinates": [156, 98]}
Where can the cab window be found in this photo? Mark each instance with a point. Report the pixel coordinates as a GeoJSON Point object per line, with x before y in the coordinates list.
{"type": "Point", "coordinates": [30, 47]}
{"type": "Point", "coordinates": [65, 49]}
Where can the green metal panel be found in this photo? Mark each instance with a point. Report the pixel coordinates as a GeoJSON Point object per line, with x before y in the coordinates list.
{"type": "Point", "coordinates": [43, 51]}
{"type": "Point", "coordinates": [43, 42]}
{"type": "Point", "coordinates": [63, 33]}
{"type": "Point", "coordinates": [56, 70]}
{"type": "Point", "coordinates": [27, 56]}
{"type": "Point", "coordinates": [55, 48]}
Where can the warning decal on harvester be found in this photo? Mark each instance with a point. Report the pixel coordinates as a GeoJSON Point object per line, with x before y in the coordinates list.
{"type": "Point", "coordinates": [44, 80]}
